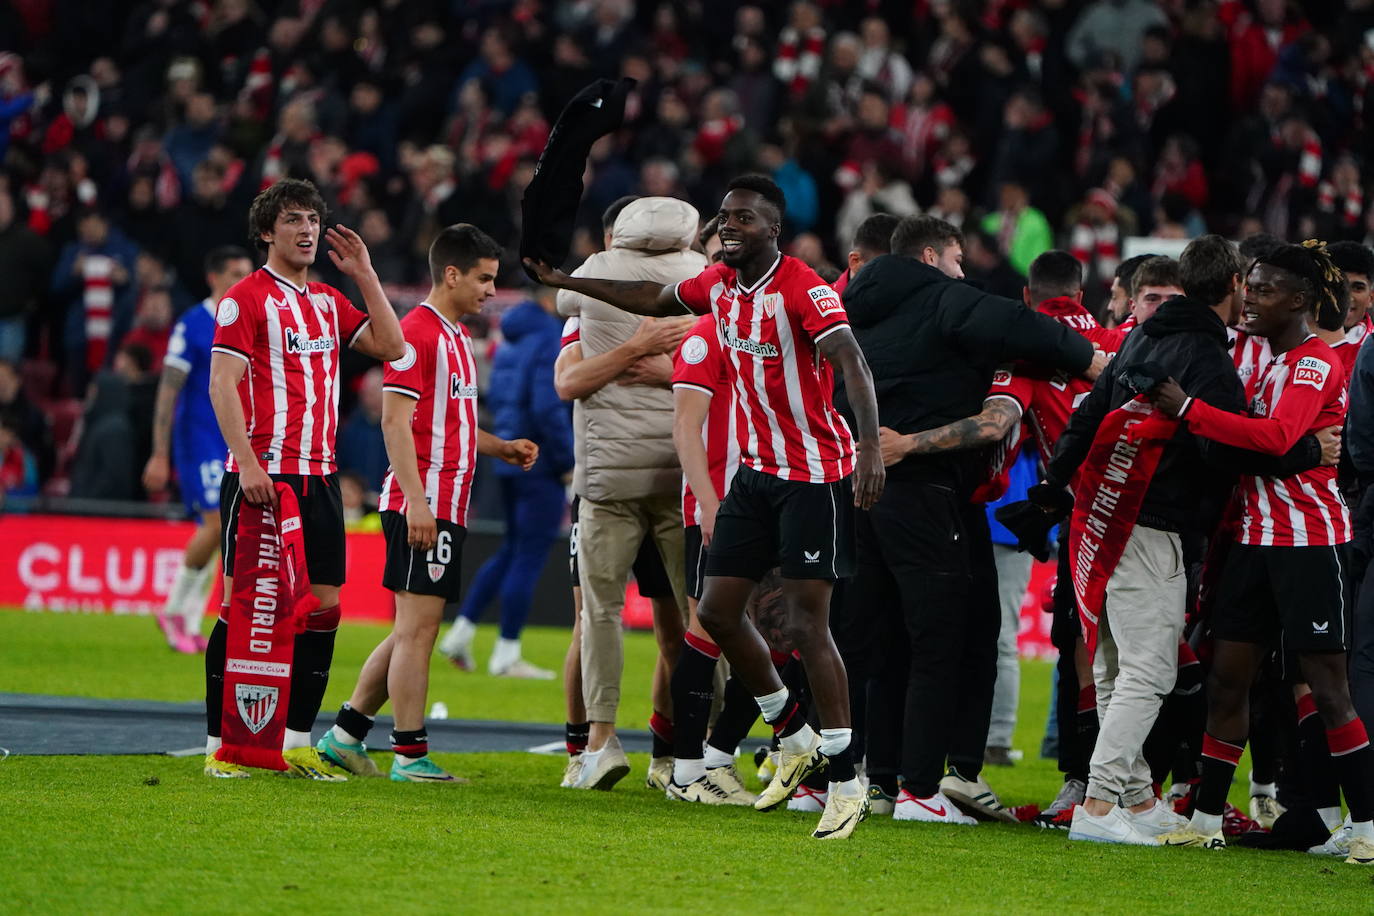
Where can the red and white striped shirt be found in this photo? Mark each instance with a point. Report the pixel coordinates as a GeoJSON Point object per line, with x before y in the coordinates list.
{"type": "Point", "coordinates": [700, 364]}
{"type": "Point", "coordinates": [439, 371]}
{"type": "Point", "coordinates": [1297, 392]}
{"type": "Point", "coordinates": [290, 337]}
{"type": "Point", "coordinates": [572, 333]}
{"type": "Point", "coordinates": [785, 418]}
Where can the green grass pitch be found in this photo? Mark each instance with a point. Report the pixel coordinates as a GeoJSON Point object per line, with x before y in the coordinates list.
{"type": "Point", "coordinates": [150, 834]}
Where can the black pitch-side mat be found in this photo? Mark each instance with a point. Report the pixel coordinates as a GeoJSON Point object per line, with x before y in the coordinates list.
{"type": "Point", "coordinates": [33, 724]}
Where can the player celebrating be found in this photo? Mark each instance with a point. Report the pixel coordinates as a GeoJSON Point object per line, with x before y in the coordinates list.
{"type": "Point", "coordinates": [429, 422]}
{"type": "Point", "coordinates": [1283, 577]}
{"type": "Point", "coordinates": [274, 384]}
{"type": "Point", "coordinates": [184, 427]}
{"type": "Point", "coordinates": [790, 502]}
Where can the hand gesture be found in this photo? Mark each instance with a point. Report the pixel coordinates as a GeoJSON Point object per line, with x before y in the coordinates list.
{"type": "Point", "coordinates": [422, 532]}
{"type": "Point", "coordinates": [894, 446]}
{"type": "Point", "coordinates": [549, 276]}
{"type": "Point", "coordinates": [520, 452]}
{"type": "Point", "coordinates": [155, 474]}
{"type": "Point", "coordinates": [1330, 441]}
{"type": "Point", "coordinates": [348, 251]}
{"type": "Point", "coordinates": [660, 335]}
{"type": "Point", "coordinates": [1168, 397]}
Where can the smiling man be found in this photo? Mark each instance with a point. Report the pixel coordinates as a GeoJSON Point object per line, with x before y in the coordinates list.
{"type": "Point", "coordinates": [791, 503]}
{"type": "Point", "coordinates": [274, 384]}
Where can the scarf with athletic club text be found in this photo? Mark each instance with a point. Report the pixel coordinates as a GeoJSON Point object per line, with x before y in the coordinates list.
{"type": "Point", "coordinates": [267, 608]}
{"type": "Point", "coordinates": [1111, 488]}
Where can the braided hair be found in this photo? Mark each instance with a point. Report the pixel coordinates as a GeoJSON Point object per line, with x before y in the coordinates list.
{"type": "Point", "coordinates": [1319, 279]}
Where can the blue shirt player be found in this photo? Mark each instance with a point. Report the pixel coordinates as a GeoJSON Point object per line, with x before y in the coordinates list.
{"type": "Point", "coordinates": [185, 431]}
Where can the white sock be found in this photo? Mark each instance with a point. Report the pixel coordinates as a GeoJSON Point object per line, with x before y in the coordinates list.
{"type": "Point", "coordinates": [1267, 789]}
{"type": "Point", "coordinates": [772, 704]}
{"type": "Point", "coordinates": [344, 737]}
{"type": "Point", "coordinates": [834, 740]}
{"type": "Point", "coordinates": [193, 604]}
{"type": "Point", "coordinates": [851, 787]}
{"type": "Point", "coordinates": [181, 587]}
{"type": "Point", "coordinates": [717, 758]}
{"type": "Point", "coordinates": [1364, 829]}
{"type": "Point", "coordinates": [213, 744]}
{"type": "Point", "coordinates": [1331, 817]}
{"type": "Point", "coordinates": [295, 739]}
{"type": "Point", "coordinates": [1205, 823]}
{"type": "Point", "coordinates": [687, 771]}
{"type": "Point", "coordinates": [506, 653]}
{"type": "Point", "coordinates": [462, 629]}
{"type": "Point", "coordinates": [799, 741]}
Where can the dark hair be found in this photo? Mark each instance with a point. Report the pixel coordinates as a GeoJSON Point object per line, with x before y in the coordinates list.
{"type": "Point", "coordinates": [1258, 245]}
{"type": "Point", "coordinates": [1054, 273]}
{"type": "Point", "coordinates": [914, 234]}
{"type": "Point", "coordinates": [709, 230]}
{"type": "Point", "coordinates": [1125, 271]}
{"type": "Point", "coordinates": [1156, 271]}
{"type": "Point", "coordinates": [613, 211]}
{"type": "Point", "coordinates": [1319, 280]}
{"type": "Point", "coordinates": [219, 258]}
{"type": "Point", "coordinates": [1352, 258]}
{"type": "Point", "coordinates": [1206, 269]}
{"type": "Point", "coordinates": [874, 235]}
{"type": "Point", "coordinates": [764, 187]}
{"type": "Point", "coordinates": [461, 245]}
{"type": "Point", "coordinates": [140, 354]}
{"type": "Point", "coordinates": [282, 195]}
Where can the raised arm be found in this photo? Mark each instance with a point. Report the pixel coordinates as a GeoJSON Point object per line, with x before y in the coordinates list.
{"type": "Point", "coordinates": [382, 338]}
{"type": "Point", "coordinates": [641, 297]}
{"type": "Point", "coordinates": [840, 347]}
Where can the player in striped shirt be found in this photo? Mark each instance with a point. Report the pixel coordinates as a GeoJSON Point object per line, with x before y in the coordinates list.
{"type": "Point", "coordinates": [274, 384]}
{"type": "Point", "coordinates": [429, 422]}
{"type": "Point", "coordinates": [791, 501]}
{"type": "Point", "coordinates": [1283, 577]}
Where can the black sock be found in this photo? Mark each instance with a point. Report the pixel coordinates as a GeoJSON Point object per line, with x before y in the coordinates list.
{"type": "Point", "coordinates": [575, 736]}
{"type": "Point", "coordinates": [661, 728]}
{"type": "Point", "coordinates": [410, 744]}
{"type": "Point", "coordinates": [314, 653]}
{"type": "Point", "coordinates": [1353, 760]}
{"type": "Point", "coordinates": [1219, 759]}
{"type": "Point", "coordinates": [693, 690]}
{"type": "Point", "coordinates": [737, 716]}
{"type": "Point", "coordinates": [215, 654]}
{"type": "Point", "coordinates": [1085, 731]}
{"type": "Point", "coordinates": [840, 767]}
{"type": "Point", "coordinates": [818, 780]}
{"type": "Point", "coordinates": [1321, 780]}
{"type": "Point", "coordinates": [353, 722]}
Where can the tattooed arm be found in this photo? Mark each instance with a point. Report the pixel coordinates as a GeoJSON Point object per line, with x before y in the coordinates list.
{"type": "Point", "coordinates": [158, 469]}
{"type": "Point", "coordinates": [992, 425]}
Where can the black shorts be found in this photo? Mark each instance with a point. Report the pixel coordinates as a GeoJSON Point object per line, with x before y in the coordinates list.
{"type": "Point", "coordinates": [1288, 598]}
{"type": "Point", "coordinates": [651, 578]}
{"type": "Point", "coordinates": [804, 529]}
{"type": "Point", "coordinates": [695, 562]}
{"type": "Point", "coordinates": [322, 523]}
{"type": "Point", "coordinates": [437, 572]}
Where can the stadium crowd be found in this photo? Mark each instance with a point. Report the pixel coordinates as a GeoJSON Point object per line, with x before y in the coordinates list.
{"type": "Point", "coordinates": [1199, 428]}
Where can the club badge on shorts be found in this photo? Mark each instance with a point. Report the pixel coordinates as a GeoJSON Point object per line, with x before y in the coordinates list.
{"type": "Point", "coordinates": [256, 705]}
{"type": "Point", "coordinates": [436, 571]}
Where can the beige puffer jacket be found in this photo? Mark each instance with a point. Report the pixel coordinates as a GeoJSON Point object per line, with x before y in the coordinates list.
{"type": "Point", "coordinates": [624, 433]}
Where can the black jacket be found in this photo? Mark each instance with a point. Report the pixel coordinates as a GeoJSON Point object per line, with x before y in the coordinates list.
{"type": "Point", "coordinates": [1194, 478]}
{"type": "Point", "coordinates": [933, 344]}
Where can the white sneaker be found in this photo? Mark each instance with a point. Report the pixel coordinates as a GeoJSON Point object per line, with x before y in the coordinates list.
{"type": "Point", "coordinates": [1265, 809]}
{"type": "Point", "coordinates": [523, 669]}
{"type": "Point", "coordinates": [1112, 827]}
{"type": "Point", "coordinates": [604, 768]}
{"type": "Point", "coordinates": [807, 799]}
{"type": "Point", "coordinates": [842, 814]}
{"type": "Point", "coordinates": [975, 797]}
{"type": "Point", "coordinates": [571, 772]}
{"type": "Point", "coordinates": [1158, 820]}
{"type": "Point", "coordinates": [1337, 845]}
{"type": "Point", "coordinates": [934, 810]}
{"type": "Point", "coordinates": [660, 774]}
{"type": "Point", "coordinates": [457, 645]}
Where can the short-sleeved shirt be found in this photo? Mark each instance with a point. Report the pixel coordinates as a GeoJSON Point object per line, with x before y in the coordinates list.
{"type": "Point", "coordinates": [291, 338]}
{"type": "Point", "coordinates": [786, 422]}
{"type": "Point", "coordinates": [195, 432]}
{"type": "Point", "coordinates": [437, 370]}
{"type": "Point", "coordinates": [700, 365]}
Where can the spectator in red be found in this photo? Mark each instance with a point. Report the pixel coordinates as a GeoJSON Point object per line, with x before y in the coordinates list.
{"type": "Point", "coordinates": [1179, 171]}
{"type": "Point", "coordinates": [926, 122]}
{"type": "Point", "coordinates": [152, 325]}
{"type": "Point", "coordinates": [18, 470]}
{"type": "Point", "coordinates": [93, 289]}
{"type": "Point", "coordinates": [1255, 45]}
{"type": "Point", "coordinates": [801, 48]}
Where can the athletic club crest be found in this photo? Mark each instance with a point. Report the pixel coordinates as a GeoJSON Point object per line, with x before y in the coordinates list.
{"type": "Point", "coordinates": [771, 301]}
{"type": "Point", "coordinates": [436, 572]}
{"type": "Point", "coordinates": [257, 705]}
